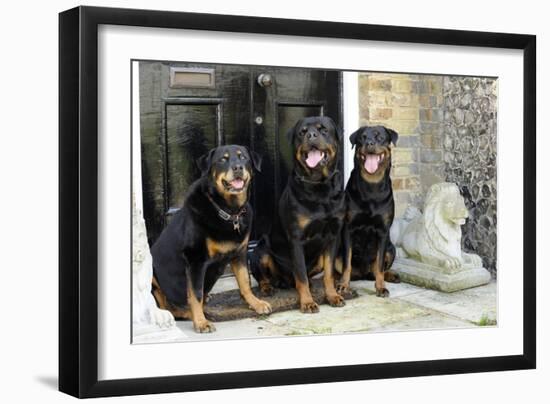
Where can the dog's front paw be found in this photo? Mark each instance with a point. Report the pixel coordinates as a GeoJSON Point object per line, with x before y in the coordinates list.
{"type": "Point", "coordinates": [382, 292]}
{"type": "Point", "coordinates": [335, 300]}
{"type": "Point", "coordinates": [309, 307]}
{"type": "Point", "coordinates": [262, 307]}
{"type": "Point", "coordinates": [344, 290]}
{"type": "Point", "coordinates": [203, 326]}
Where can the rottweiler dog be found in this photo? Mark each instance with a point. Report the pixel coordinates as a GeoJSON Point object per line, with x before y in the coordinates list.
{"type": "Point", "coordinates": [303, 240]}
{"type": "Point", "coordinates": [367, 250]}
{"type": "Point", "coordinates": [210, 231]}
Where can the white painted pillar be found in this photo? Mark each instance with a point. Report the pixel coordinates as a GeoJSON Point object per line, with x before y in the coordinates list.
{"type": "Point", "coordinates": [351, 116]}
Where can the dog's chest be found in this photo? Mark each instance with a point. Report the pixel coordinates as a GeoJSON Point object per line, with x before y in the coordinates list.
{"type": "Point", "coordinates": [366, 223]}
{"type": "Point", "coordinates": [378, 214]}
{"type": "Point", "coordinates": [225, 250]}
{"type": "Point", "coordinates": [323, 227]}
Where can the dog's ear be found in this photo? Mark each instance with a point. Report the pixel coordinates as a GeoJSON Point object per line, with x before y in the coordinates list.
{"type": "Point", "coordinates": [339, 133]}
{"type": "Point", "coordinates": [204, 162]}
{"type": "Point", "coordinates": [353, 137]}
{"type": "Point", "coordinates": [336, 128]}
{"type": "Point", "coordinates": [291, 131]}
{"type": "Point", "coordinates": [393, 135]}
{"type": "Point", "coordinates": [256, 159]}
{"type": "Point", "coordinates": [290, 135]}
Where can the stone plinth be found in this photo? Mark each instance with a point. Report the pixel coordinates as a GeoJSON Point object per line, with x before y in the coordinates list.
{"type": "Point", "coordinates": [440, 278]}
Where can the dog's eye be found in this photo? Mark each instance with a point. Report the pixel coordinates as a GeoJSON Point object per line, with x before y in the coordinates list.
{"type": "Point", "coordinates": [242, 157]}
{"type": "Point", "coordinates": [223, 160]}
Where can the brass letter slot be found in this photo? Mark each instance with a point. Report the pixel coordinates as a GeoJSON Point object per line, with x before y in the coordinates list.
{"type": "Point", "coordinates": [194, 77]}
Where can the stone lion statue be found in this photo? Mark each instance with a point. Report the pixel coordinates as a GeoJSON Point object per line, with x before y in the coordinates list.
{"type": "Point", "coordinates": [435, 237]}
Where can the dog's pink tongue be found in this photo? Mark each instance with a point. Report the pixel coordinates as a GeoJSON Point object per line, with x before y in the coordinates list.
{"type": "Point", "coordinates": [371, 163]}
{"type": "Point", "coordinates": [237, 184]}
{"type": "Point", "coordinates": [313, 158]}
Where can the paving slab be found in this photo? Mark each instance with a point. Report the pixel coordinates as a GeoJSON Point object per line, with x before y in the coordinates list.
{"type": "Point", "coordinates": [430, 321]}
{"type": "Point", "coordinates": [153, 334]}
{"type": "Point", "coordinates": [477, 305]}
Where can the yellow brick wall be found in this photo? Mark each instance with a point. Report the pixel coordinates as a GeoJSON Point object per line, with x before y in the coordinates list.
{"type": "Point", "coordinates": [411, 105]}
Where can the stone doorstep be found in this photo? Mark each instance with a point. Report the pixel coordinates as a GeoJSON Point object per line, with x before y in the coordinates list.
{"type": "Point", "coordinates": [408, 308]}
{"type": "Point", "coordinates": [431, 277]}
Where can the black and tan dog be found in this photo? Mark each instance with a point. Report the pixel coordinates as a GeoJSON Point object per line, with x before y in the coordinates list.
{"type": "Point", "coordinates": [210, 231]}
{"type": "Point", "coordinates": [367, 250]}
{"type": "Point", "coordinates": [304, 235]}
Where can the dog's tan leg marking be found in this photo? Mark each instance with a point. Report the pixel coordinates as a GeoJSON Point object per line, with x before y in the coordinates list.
{"type": "Point", "coordinates": [389, 275]}
{"type": "Point", "coordinates": [307, 304]}
{"type": "Point", "coordinates": [379, 282]}
{"type": "Point", "coordinates": [200, 323]}
{"type": "Point", "coordinates": [343, 284]}
{"type": "Point", "coordinates": [333, 298]}
{"type": "Point", "coordinates": [159, 295]}
{"type": "Point", "coordinates": [164, 304]}
{"type": "Point", "coordinates": [268, 272]}
{"type": "Point", "coordinates": [243, 280]}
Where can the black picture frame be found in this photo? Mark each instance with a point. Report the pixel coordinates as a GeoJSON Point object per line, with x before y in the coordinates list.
{"type": "Point", "coordinates": [78, 200]}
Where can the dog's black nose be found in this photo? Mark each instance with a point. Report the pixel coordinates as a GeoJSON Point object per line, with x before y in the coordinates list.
{"type": "Point", "coordinates": [370, 142]}
{"type": "Point", "coordinates": [312, 135]}
{"type": "Point", "coordinates": [237, 167]}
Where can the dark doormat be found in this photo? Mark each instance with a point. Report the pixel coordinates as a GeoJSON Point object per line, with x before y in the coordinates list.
{"type": "Point", "coordinates": [229, 305]}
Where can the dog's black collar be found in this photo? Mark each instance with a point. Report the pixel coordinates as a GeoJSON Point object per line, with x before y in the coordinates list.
{"type": "Point", "coordinates": [308, 181]}
{"type": "Point", "coordinates": [234, 219]}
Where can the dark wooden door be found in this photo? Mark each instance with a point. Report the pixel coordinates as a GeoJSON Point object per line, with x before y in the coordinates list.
{"type": "Point", "coordinates": [188, 108]}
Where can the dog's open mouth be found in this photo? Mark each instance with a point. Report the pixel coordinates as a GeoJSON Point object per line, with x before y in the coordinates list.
{"type": "Point", "coordinates": [314, 157]}
{"type": "Point", "coordinates": [235, 185]}
{"type": "Point", "coordinates": [372, 161]}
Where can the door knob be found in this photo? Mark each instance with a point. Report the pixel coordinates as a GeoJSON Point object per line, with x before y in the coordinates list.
{"type": "Point", "coordinates": [265, 80]}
